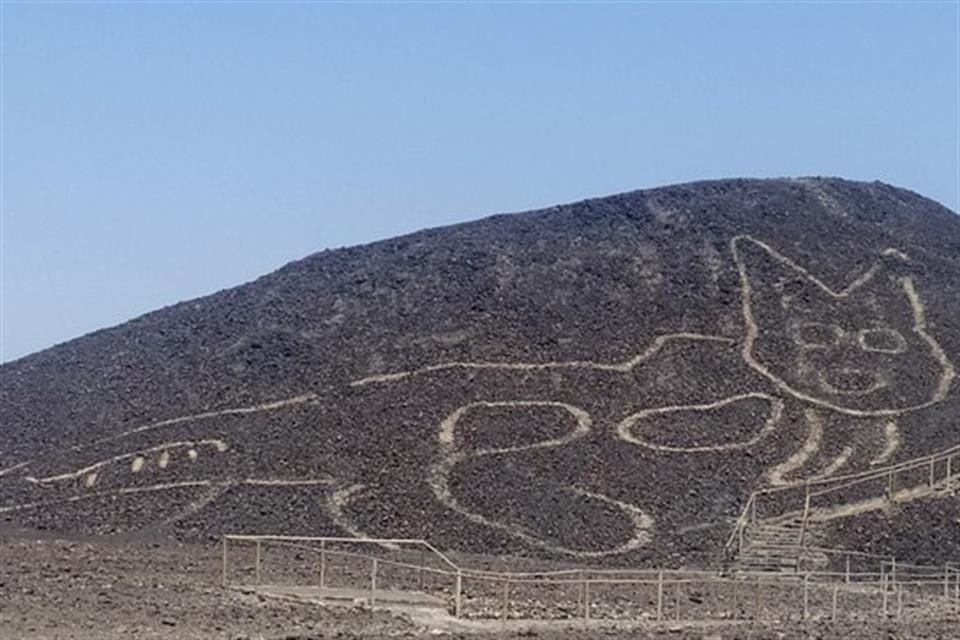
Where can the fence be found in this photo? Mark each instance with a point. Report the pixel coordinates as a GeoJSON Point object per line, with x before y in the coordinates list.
{"type": "Point", "coordinates": [369, 569]}
{"type": "Point", "coordinates": [351, 565]}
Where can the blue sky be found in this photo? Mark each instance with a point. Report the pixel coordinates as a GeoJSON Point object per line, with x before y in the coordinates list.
{"type": "Point", "coordinates": [153, 153]}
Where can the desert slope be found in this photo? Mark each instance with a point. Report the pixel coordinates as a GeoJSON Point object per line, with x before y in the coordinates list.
{"type": "Point", "coordinates": [606, 380]}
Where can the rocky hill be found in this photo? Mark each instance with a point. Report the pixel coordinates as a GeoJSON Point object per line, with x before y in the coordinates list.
{"type": "Point", "coordinates": [606, 381]}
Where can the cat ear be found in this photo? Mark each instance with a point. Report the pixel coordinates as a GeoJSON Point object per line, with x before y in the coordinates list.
{"type": "Point", "coordinates": [769, 275]}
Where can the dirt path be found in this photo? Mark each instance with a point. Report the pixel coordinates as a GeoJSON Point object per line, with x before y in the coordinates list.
{"type": "Point", "coordinates": [54, 589]}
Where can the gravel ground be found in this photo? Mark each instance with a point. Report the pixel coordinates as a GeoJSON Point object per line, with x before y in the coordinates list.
{"type": "Point", "coordinates": [109, 589]}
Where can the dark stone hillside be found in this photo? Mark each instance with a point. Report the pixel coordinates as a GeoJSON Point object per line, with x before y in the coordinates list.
{"type": "Point", "coordinates": [605, 381]}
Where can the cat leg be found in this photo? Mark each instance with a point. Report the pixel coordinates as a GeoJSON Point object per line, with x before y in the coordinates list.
{"type": "Point", "coordinates": [809, 451]}
{"type": "Point", "coordinates": [891, 442]}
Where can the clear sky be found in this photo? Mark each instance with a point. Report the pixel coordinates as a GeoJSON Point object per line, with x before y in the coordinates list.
{"type": "Point", "coordinates": [157, 152]}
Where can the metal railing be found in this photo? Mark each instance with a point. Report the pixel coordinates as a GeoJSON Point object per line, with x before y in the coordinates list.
{"type": "Point", "coordinates": [326, 565]}
{"type": "Point", "coordinates": [903, 481]}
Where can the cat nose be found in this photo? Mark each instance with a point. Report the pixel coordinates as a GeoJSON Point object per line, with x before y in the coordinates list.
{"type": "Point", "coordinates": [855, 382]}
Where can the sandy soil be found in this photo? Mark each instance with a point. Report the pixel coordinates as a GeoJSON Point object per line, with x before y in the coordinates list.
{"type": "Point", "coordinates": [108, 589]}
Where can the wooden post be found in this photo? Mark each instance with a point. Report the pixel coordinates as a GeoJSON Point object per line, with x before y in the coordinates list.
{"type": "Point", "coordinates": [323, 564]}
{"type": "Point", "coordinates": [373, 583]}
{"type": "Point", "coordinates": [833, 610]}
{"type": "Point", "coordinates": [806, 596]}
{"type": "Point", "coordinates": [949, 479]}
{"type": "Point", "coordinates": [736, 608]}
{"type": "Point", "coordinates": [257, 563]}
{"type": "Point", "coordinates": [890, 486]}
{"type": "Point", "coordinates": [506, 600]}
{"type": "Point", "coordinates": [458, 593]}
{"type": "Point", "coordinates": [660, 595]}
{"type": "Point", "coordinates": [883, 589]}
{"type": "Point", "coordinates": [932, 479]}
{"type": "Point", "coordinates": [579, 591]}
{"type": "Point", "coordinates": [420, 572]}
{"type": "Point", "coordinates": [759, 602]}
{"type": "Point", "coordinates": [586, 600]}
{"type": "Point", "coordinates": [676, 599]}
{"type": "Point", "coordinates": [899, 588]}
{"type": "Point", "coordinates": [946, 582]}
{"type": "Point", "coordinates": [847, 575]}
{"type": "Point", "coordinates": [224, 577]}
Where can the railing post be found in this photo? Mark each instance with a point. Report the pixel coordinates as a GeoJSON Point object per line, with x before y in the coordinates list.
{"type": "Point", "coordinates": [458, 595]}
{"type": "Point", "coordinates": [580, 590]}
{"type": "Point", "coordinates": [759, 601]}
{"type": "Point", "coordinates": [883, 590]}
{"type": "Point", "coordinates": [806, 596]}
{"type": "Point", "coordinates": [506, 600]}
{"type": "Point", "coordinates": [932, 479]}
{"type": "Point", "coordinates": [806, 512]}
{"type": "Point", "coordinates": [949, 478]}
{"type": "Point", "coordinates": [257, 563]}
{"type": "Point", "coordinates": [420, 572]}
{"type": "Point", "coordinates": [676, 599]}
{"type": "Point", "coordinates": [847, 574]}
{"type": "Point", "coordinates": [224, 565]}
{"type": "Point", "coordinates": [323, 564]}
{"type": "Point", "coordinates": [660, 595]}
{"type": "Point", "coordinates": [373, 583]}
{"type": "Point", "coordinates": [833, 610]}
{"type": "Point", "coordinates": [586, 600]}
{"type": "Point", "coordinates": [736, 604]}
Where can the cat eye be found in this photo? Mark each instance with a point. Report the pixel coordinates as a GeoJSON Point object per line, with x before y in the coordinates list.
{"type": "Point", "coordinates": [816, 335]}
{"type": "Point", "coordinates": [882, 340]}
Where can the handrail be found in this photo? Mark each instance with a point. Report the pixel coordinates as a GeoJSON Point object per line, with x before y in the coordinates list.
{"type": "Point", "coordinates": [934, 576]}
{"type": "Point", "coordinates": [833, 484]}
{"type": "Point", "coordinates": [382, 541]}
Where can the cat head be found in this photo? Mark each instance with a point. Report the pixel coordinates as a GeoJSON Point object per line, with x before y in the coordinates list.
{"type": "Point", "coordinates": [861, 350]}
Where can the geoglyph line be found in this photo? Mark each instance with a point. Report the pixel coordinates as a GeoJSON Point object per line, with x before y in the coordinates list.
{"type": "Point", "coordinates": [777, 475]}
{"type": "Point", "coordinates": [753, 330]}
{"type": "Point", "coordinates": [891, 443]}
{"type": "Point", "coordinates": [624, 429]}
{"type": "Point", "coordinates": [920, 324]}
{"type": "Point", "coordinates": [288, 483]}
{"type": "Point", "coordinates": [256, 408]}
{"type": "Point", "coordinates": [338, 501]}
{"type": "Point", "coordinates": [811, 445]}
{"type": "Point", "coordinates": [19, 465]}
{"type": "Point", "coordinates": [101, 494]}
{"type": "Point", "coordinates": [642, 523]}
{"type": "Point", "coordinates": [624, 366]}
{"type": "Point", "coordinates": [449, 456]}
{"type": "Point", "coordinates": [222, 487]}
{"type": "Point", "coordinates": [449, 425]}
{"type": "Point", "coordinates": [135, 456]}
{"type": "Point", "coordinates": [835, 465]}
